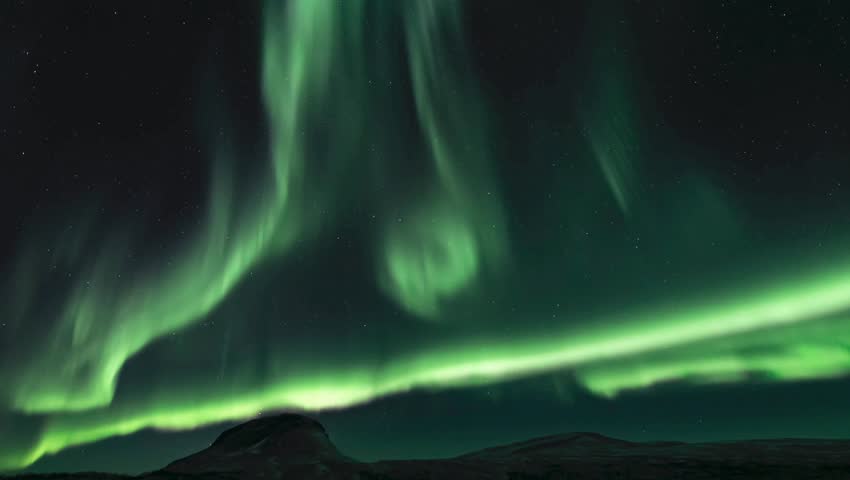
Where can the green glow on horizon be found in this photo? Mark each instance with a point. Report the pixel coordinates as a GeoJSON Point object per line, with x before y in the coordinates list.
{"type": "Point", "coordinates": [812, 347]}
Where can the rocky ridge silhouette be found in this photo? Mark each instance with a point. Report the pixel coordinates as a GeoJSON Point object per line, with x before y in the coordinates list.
{"type": "Point", "coordinates": [291, 446]}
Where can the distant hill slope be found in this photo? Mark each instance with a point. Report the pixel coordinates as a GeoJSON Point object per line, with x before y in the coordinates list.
{"type": "Point", "coordinates": [292, 446]}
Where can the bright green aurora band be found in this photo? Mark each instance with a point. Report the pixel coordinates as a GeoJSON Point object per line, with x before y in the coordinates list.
{"type": "Point", "coordinates": [434, 252]}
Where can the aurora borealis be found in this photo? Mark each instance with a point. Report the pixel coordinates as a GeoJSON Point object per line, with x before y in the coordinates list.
{"type": "Point", "coordinates": [421, 198]}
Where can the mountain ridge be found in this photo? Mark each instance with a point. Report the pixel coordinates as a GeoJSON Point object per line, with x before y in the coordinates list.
{"type": "Point", "coordinates": [294, 446]}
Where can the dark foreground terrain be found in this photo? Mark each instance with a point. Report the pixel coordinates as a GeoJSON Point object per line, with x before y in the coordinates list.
{"type": "Point", "coordinates": [295, 447]}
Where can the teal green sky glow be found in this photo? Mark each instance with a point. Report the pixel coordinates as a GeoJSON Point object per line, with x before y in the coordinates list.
{"type": "Point", "coordinates": [471, 302]}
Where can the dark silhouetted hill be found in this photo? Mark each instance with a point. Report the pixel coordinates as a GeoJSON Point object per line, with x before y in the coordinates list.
{"type": "Point", "coordinates": [292, 446]}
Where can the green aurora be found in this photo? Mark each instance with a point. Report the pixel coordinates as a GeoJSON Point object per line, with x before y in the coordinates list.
{"type": "Point", "coordinates": [442, 249]}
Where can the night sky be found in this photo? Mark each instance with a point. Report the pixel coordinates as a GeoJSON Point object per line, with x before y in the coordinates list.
{"type": "Point", "coordinates": [433, 225]}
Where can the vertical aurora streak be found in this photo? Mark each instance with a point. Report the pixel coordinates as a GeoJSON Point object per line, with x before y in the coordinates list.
{"type": "Point", "coordinates": [609, 119]}
{"type": "Point", "coordinates": [458, 231]}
